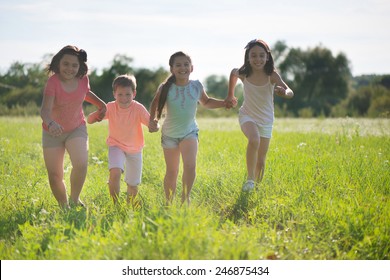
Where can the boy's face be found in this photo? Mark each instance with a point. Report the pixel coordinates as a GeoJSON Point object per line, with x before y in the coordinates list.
{"type": "Point", "coordinates": [124, 96]}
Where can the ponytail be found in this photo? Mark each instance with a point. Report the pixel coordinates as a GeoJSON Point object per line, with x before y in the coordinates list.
{"type": "Point", "coordinates": [164, 94]}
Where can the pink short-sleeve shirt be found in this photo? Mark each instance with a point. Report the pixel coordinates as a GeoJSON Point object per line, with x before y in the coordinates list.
{"type": "Point", "coordinates": [125, 126]}
{"type": "Point", "coordinates": [68, 106]}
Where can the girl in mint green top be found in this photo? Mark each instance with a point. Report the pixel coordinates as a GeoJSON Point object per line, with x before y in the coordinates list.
{"type": "Point", "coordinates": [181, 104]}
{"type": "Point", "coordinates": [180, 96]}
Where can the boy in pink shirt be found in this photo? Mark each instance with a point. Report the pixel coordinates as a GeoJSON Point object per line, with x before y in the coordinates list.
{"type": "Point", "coordinates": [125, 139]}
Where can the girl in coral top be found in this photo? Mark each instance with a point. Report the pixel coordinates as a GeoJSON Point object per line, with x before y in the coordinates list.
{"type": "Point", "coordinates": [63, 122]}
{"type": "Point", "coordinates": [256, 116]}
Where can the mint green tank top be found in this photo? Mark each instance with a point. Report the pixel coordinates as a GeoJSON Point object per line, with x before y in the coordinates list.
{"type": "Point", "coordinates": [181, 108]}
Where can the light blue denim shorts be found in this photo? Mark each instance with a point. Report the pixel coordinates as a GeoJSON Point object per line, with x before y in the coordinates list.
{"type": "Point", "coordinates": [171, 142]}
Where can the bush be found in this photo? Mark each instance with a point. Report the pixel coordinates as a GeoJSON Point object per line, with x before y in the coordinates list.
{"type": "Point", "coordinates": [30, 109]}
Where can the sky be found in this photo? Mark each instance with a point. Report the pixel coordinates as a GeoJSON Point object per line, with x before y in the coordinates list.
{"type": "Point", "coordinates": [213, 32]}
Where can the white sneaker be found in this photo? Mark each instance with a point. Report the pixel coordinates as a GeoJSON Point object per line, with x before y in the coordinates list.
{"type": "Point", "coordinates": [248, 186]}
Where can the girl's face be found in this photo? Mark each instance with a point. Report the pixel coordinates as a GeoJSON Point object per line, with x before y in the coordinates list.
{"type": "Point", "coordinates": [257, 57]}
{"type": "Point", "coordinates": [124, 96]}
{"type": "Point", "coordinates": [181, 68]}
{"type": "Point", "coordinates": [69, 67]}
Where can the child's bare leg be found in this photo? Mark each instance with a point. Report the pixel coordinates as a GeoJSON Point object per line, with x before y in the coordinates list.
{"type": "Point", "coordinates": [54, 160]}
{"type": "Point", "coordinates": [132, 192]}
{"type": "Point", "coordinates": [78, 153]}
{"type": "Point", "coordinates": [172, 161]}
{"type": "Point", "coordinates": [251, 132]}
{"type": "Point", "coordinates": [188, 149]}
{"type": "Point", "coordinates": [114, 183]}
{"type": "Point", "coordinates": [262, 154]}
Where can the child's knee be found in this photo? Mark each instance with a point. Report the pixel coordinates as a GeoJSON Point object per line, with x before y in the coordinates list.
{"type": "Point", "coordinates": [254, 141]}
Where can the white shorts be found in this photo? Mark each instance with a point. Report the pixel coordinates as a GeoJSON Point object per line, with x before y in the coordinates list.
{"type": "Point", "coordinates": [117, 158]}
{"type": "Point", "coordinates": [265, 130]}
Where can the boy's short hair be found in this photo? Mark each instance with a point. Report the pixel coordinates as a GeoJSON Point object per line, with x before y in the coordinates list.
{"type": "Point", "coordinates": [124, 81]}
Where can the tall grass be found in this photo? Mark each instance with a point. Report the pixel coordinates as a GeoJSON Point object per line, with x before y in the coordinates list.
{"type": "Point", "coordinates": [325, 195]}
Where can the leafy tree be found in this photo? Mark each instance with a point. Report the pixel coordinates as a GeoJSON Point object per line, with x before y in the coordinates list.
{"type": "Point", "coordinates": [147, 80]}
{"type": "Point", "coordinates": [318, 79]}
{"type": "Point", "coordinates": [217, 86]}
{"type": "Point", "coordinates": [22, 84]}
{"type": "Point", "coordinates": [358, 101]}
{"type": "Point", "coordinates": [384, 80]}
{"type": "Point", "coordinates": [102, 84]}
{"type": "Point", "coordinates": [380, 103]}
{"type": "Point", "coordinates": [147, 84]}
{"type": "Point", "coordinates": [279, 52]}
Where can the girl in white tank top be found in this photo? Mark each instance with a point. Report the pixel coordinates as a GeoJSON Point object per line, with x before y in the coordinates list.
{"type": "Point", "coordinates": [256, 116]}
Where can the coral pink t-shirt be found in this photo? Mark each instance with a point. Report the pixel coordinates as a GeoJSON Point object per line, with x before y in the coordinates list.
{"type": "Point", "coordinates": [68, 106]}
{"type": "Point", "coordinates": [125, 126]}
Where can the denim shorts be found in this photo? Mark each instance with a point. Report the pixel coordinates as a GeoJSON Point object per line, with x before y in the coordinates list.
{"type": "Point", "coordinates": [171, 142]}
{"type": "Point", "coordinates": [49, 141]}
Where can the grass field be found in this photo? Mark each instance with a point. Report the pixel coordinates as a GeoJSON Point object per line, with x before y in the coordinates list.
{"type": "Point", "coordinates": [325, 195]}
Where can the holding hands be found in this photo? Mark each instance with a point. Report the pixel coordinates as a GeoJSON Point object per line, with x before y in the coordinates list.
{"type": "Point", "coordinates": [100, 114]}
{"type": "Point", "coordinates": [153, 125]}
{"type": "Point", "coordinates": [97, 116]}
{"type": "Point", "coordinates": [280, 91]}
{"type": "Point", "coordinates": [230, 102]}
{"type": "Point", "coordinates": [283, 92]}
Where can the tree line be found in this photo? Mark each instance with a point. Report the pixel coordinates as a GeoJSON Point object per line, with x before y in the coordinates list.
{"type": "Point", "coordinates": [322, 83]}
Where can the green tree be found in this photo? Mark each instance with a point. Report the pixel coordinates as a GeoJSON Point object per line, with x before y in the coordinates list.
{"type": "Point", "coordinates": [380, 102]}
{"type": "Point", "coordinates": [217, 86]}
{"type": "Point", "coordinates": [22, 84]}
{"type": "Point", "coordinates": [147, 84]}
{"type": "Point", "coordinates": [102, 84]}
{"type": "Point", "coordinates": [319, 79]}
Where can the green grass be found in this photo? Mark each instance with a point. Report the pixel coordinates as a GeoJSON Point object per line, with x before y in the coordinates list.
{"type": "Point", "coordinates": [325, 195]}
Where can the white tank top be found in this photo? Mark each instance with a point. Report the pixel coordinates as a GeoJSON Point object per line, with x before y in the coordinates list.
{"type": "Point", "coordinates": [259, 102]}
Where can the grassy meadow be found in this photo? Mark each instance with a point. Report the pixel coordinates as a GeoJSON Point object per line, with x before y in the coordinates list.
{"type": "Point", "coordinates": [325, 195]}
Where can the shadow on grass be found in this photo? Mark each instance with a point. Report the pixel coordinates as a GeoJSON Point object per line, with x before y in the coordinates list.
{"type": "Point", "coordinates": [76, 216]}
{"type": "Point", "coordinates": [239, 210]}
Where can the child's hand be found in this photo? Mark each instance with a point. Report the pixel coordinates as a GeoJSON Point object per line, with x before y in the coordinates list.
{"type": "Point", "coordinates": [280, 91]}
{"type": "Point", "coordinates": [230, 102]}
{"type": "Point", "coordinates": [101, 113]}
{"type": "Point", "coordinates": [153, 126]}
{"type": "Point", "coordinates": [55, 129]}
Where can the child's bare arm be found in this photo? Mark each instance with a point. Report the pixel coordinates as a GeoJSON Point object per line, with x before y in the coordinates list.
{"type": "Point", "coordinates": [94, 117]}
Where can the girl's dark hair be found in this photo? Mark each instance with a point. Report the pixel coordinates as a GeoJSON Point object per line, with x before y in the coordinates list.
{"type": "Point", "coordinates": [54, 66]}
{"type": "Point", "coordinates": [269, 67]}
{"type": "Point", "coordinates": [168, 82]}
